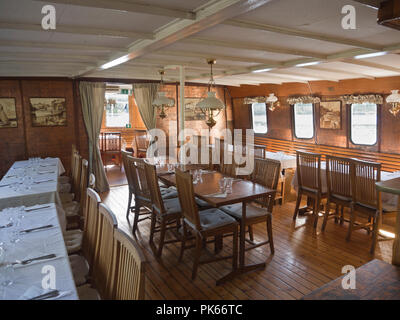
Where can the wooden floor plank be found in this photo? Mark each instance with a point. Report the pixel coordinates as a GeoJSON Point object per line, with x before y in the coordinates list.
{"type": "Point", "coordinates": [303, 261]}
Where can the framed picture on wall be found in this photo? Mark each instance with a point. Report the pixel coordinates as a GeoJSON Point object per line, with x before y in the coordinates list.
{"type": "Point", "coordinates": [48, 112]}
{"type": "Point", "coordinates": [330, 115]}
{"type": "Point", "coordinates": [8, 113]}
{"type": "Point", "coordinates": [191, 112]}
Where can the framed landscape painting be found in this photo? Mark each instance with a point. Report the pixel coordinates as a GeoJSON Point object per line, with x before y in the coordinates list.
{"type": "Point", "coordinates": [330, 115]}
{"type": "Point", "coordinates": [8, 114]}
{"type": "Point", "coordinates": [191, 112]}
{"type": "Point", "coordinates": [48, 112]}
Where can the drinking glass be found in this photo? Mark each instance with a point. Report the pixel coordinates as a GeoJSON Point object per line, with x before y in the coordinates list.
{"type": "Point", "coordinates": [170, 167]}
{"type": "Point", "coordinates": [222, 185]}
{"type": "Point", "coordinates": [228, 185]}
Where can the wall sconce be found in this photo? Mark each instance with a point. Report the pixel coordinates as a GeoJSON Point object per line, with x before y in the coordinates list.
{"type": "Point", "coordinates": [271, 99]}
{"type": "Point", "coordinates": [394, 100]}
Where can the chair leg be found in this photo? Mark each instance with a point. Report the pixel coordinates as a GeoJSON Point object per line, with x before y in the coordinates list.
{"type": "Point", "coordinates": [316, 211]}
{"type": "Point", "coordinates": [351, 224]}
{"type": "Point", "coordinates": [199, 245]}
{"type": "Point", "coordinates": [296, 210]}
{"type": "Point", "coordinates": [251, 234]}
{"type": "Point", "coordinates": [136, 218]}
{"type": "Point", "coordinates": [370, 218]}
{"type": "Point", "coordinates": [342, 215]}
{"type": "Point", "coordinates": [326, 215]}
{"type": "Point", "coordinates": [270, 236]}
{"type": "Point", "coordinates": [162, 238]}
{"type": "Point", "coordinates": [337, 213]}
{"type": "Point", "coordinates": [375, 231]}
{"type": "Point", "coordinates": [235, 249]}
{"type": "Point", "coordinates": [152, 227]}
{"type": "Point", "coordinates": [129, 205]}
{"type": "Point", "coordinates": [183, 242]}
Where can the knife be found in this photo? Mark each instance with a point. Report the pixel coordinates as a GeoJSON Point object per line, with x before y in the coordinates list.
{"type": "Point", "coordinates": [51, 294]}
{"type": "Point", "coordinates": [48, 256]}
{"type": "Point", "coordinates": [38, 228]}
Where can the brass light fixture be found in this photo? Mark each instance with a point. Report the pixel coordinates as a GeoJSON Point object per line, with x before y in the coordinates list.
{"type": "Point", "coordinates": [271, 99]}
{"type": "Point", "coordinates": [211, 106]}
{"type": "Point", "coordinates": [394, 100]}
{"type": "Point", "coordinates": [162, 101]}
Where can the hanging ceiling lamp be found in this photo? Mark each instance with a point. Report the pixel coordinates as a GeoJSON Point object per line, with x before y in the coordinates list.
{"type": "Point", "coordinates": [211, 106]}
{"type": "Point", "coordinates": [394, 99]}
{"type": "Point", "coordinates": [271, 99]}
{"type": "Point", "coordinates": [162, 101]}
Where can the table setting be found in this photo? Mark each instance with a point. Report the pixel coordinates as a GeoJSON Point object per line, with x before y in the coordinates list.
{"type": "Point", "coordinates": [31, 247]}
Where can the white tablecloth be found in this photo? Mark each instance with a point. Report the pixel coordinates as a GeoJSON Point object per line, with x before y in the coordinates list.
{"type": "Point", "coordinates": [41, 191]}
{"type": "Point", "coordinates": [287, 161]}
{"type": "Point", "coordinates": [387, 199]}
{"type": "Point", "coordinates": [28, 279]}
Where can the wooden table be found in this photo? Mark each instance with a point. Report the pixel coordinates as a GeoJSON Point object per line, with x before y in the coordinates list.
{"type": "Point", "coordinates": [375, 280]}
{"type": "Point", "coordinates": [243, 191]}
{"type": "Point", "coordinates": [393, 186]}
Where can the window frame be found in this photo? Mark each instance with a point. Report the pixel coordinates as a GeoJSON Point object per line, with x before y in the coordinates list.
{"type": "Point", "coordinates": [351, 131]}
{"type": "Point", "coordinates": [252, 118]}
{"type": "Point", "coordinates": [129, 115]}
{"type": "Point", "coordinates": [294, 121]}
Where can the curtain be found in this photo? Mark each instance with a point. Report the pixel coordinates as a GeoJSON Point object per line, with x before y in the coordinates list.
{"type": "Point", "coordinates": [92, 97]}
{"type": "Point", "coordinates": [144, 94]}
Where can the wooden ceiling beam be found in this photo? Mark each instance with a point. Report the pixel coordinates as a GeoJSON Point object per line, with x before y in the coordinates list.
{"type": "Point", "coordinates": [130, 6]}
{"type": "Point", "coordinates": [210, 15]}
{"type": "Point", "coordinates": [78, 30]}
{"type": "Point", "coordinates": [300, 33]}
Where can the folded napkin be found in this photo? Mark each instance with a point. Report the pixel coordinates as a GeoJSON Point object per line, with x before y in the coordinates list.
{"type": "Point", "coordinates": [207, 171]}
{"type": "Point", "coordinates": [217, 195]}
{"type": "Point", "coordinates": [34, 291]}
{"type": "Point", "coordinates": [18, 266]}
{"type": "Point", "coordinates": [38, 206]}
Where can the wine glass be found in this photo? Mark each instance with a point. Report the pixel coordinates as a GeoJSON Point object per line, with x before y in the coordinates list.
{"type": "Point", "coordinates": [7, 269]}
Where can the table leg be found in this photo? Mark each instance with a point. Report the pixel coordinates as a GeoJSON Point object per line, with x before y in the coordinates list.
{"type": "Point", "coordinates": [396, 243]}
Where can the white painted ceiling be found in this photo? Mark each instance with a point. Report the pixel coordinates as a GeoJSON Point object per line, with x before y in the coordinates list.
{"type": "Point", "coordinates": [278, 34]}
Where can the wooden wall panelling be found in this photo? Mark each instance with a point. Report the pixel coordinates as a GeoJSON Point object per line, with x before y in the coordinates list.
{"type": "Point", "coordinates": [12, 140]}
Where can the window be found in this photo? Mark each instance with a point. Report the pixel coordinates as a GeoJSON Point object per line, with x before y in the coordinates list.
{"type": "Point", "coordinates": [259, 115]}
{"type": "Point", "coordinates": [304, 120]}
{"type": "Point", "coordinates": [364, 123]}
{"type": "Point", "coordinates": [117, 110]}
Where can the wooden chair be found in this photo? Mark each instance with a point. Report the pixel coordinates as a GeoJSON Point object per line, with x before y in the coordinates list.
{"type": "Point", "coordinates": [110, 148]}
{"type": "Point", "coordinates": [164, 212]}
{"type": "Point", "coordinates": [141, 145]}
{"type": "Point", "coordinates": [129, 178]}
{"type": "Point", "coordinates": [90, 225]}
{"type": "Point", "coordinates": [309, 181]}
{"type": "Point", "coordinates": [68, 178]}
{"type": "Point", "coordinates": [266, 172]}
{"type": "Point", "coordinates": [366, 199]}
{"type": "Point", "coordinates": [338, 178]}
{"type": "Point", "coordinates": [128, 278]}
{"type": "Point", "coordinates": [102, 267]}
{"type": "Point", "coordinates": [77, 176]}
{"type": "Point", "coordinates": [207, 223]}
{"type": "Point", "coordinates": [141, 191]}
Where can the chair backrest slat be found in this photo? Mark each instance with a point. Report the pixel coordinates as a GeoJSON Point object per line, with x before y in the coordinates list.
{"type": "Point", "coordinates": [128, 269]}
{"type": "Point", "coordinates": [90, 225]}
{"type": "Point", "coordinates": [83, 184]}
{"type": "Point", "coordinates": [309, 170]}
{"type": "Point", "coordinates": [365, 175]}
{"type": "Point", "coordinates": [128, 168]}
{"type": "Point", "coordinates": [155, 193]}
{"type": "Point", "coordinates": [184, 185]}
{"type": "Point", "coordinates": [266, 172]}
{"type": "Point", "coordinates": [338, 176]}
{"type": "Point", "coordinates": [102, 266]}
